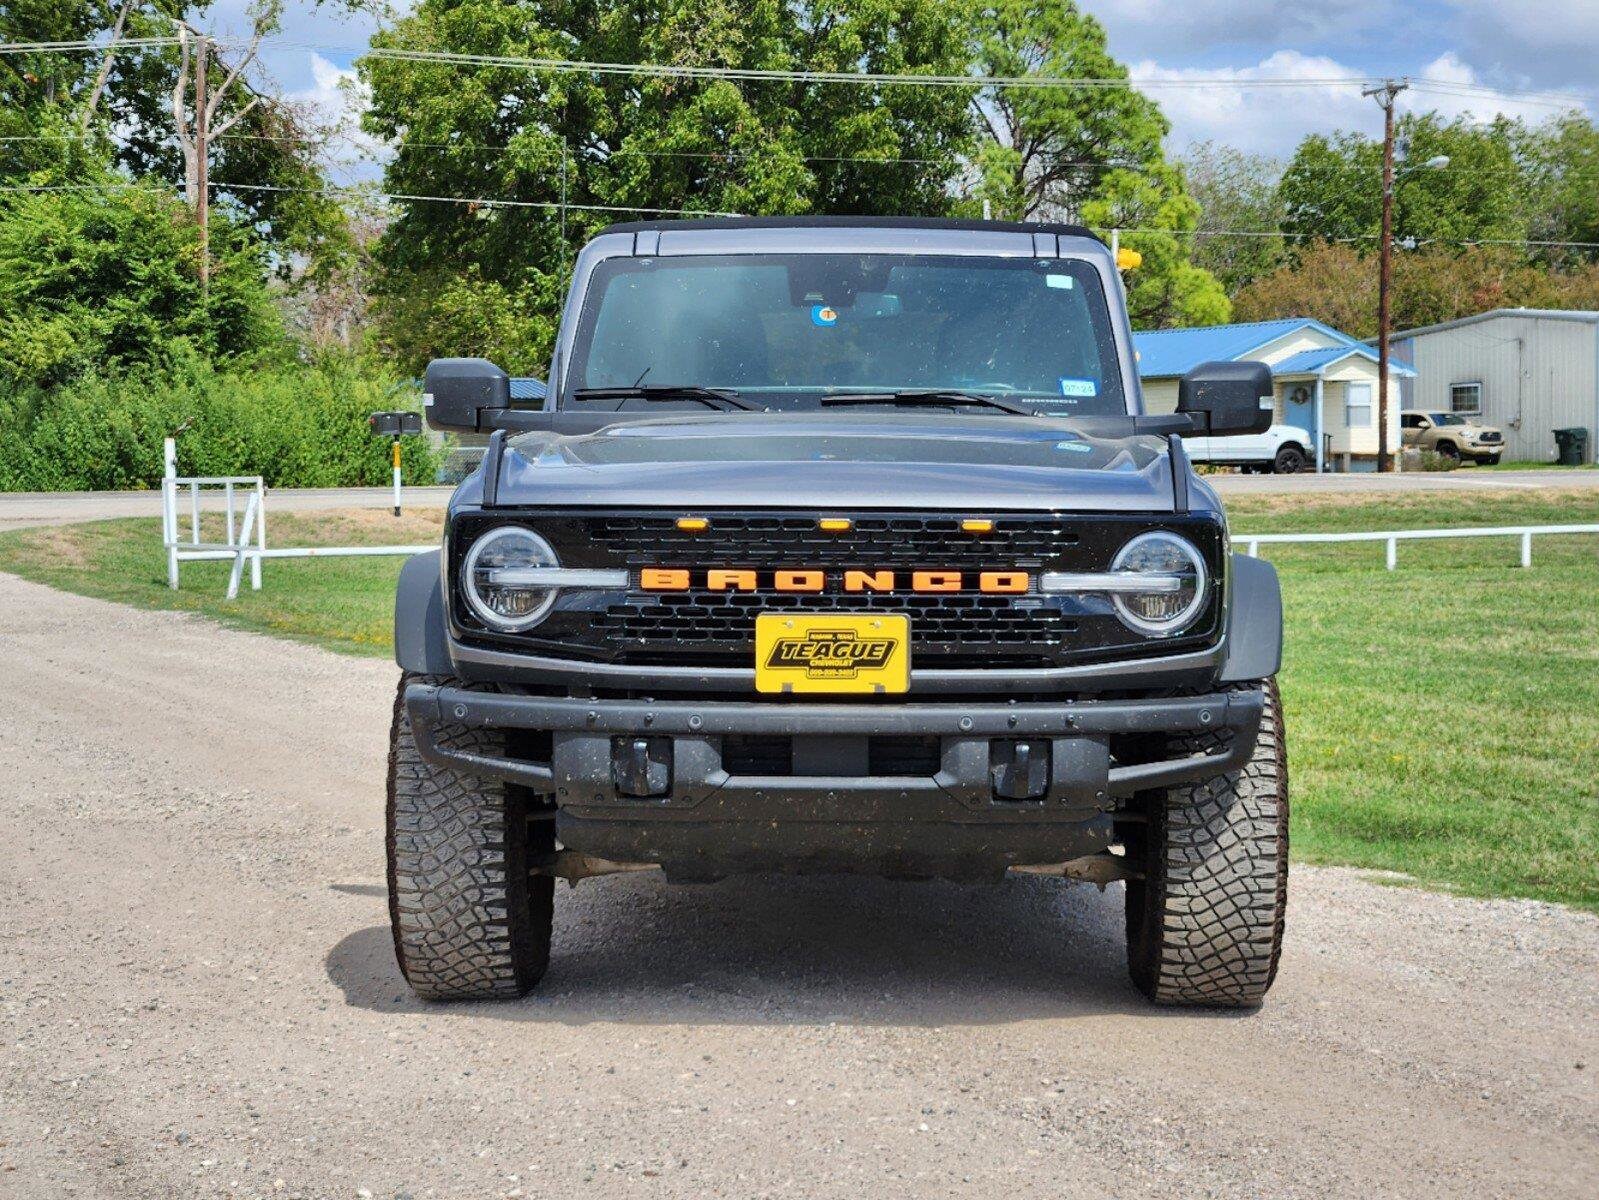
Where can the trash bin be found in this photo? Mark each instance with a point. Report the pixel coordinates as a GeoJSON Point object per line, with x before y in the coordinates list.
{"type": "Point", "coordinates": [1571, 447]}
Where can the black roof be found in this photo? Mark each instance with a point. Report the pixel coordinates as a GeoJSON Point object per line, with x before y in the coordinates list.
{"type": "Point", "coordinates": [953, 223]}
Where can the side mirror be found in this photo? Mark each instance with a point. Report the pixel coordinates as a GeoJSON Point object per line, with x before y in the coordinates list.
{"type": "Point", "coordinates": [463, 394]}
{"type": "Point", "coordinates": [1226, 398]}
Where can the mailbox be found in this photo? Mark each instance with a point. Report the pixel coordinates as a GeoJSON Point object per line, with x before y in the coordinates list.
{"type": "Point", "coordinates": [393, 424]}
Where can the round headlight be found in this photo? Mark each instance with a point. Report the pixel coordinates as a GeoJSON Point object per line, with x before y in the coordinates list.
{"type": "Point", "coordinates": [1165, 612]}
{"type": "Point", "coordinates": [488, 578]}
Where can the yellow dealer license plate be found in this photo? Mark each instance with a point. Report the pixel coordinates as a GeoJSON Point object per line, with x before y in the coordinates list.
{"type": "Point", "coordinates": [805, 652]}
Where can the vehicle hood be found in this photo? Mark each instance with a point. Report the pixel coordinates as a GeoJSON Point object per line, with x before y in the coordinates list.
{"type": "Point", "coordinates": [840, 460]}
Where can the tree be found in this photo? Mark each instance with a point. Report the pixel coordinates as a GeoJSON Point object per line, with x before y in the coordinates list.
{"type": "Point", "coordinates": [1084, 154]}
{"type": "Point", "coordinates": [1166, 289]}
{"type": "Point", "coordinates": [570, 152]}
{"type": "Point", "coordinates": [139, 104]}
{"type": "Point", "coordinates": [104, 277]}
{"type": "Point", "coordinates": [1337, 284]}
{"type": "Point", "coordinates": [1332, 189]}
{"type": "Point", "coordinates": [1559, 160]}
{"type": "Point", "coordinates": [1236, 193]}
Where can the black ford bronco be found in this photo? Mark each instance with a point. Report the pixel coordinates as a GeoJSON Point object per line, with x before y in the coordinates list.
{"type": "Point", "coordinates": [839, 545]}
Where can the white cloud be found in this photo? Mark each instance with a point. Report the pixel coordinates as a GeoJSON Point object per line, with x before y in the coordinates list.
{"type": "Point", "coordinates": [1249, 108]}
{"type": "Point", "coordinates": [335, 98]}
{"type": "Point", "coordinates": [1453, 88]}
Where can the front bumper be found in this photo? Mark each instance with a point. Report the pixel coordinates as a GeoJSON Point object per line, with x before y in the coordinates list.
{"type": "Point", "coordinates": [704, 821]}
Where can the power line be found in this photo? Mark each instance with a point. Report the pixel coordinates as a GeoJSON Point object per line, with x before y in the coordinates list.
{"type": "Point", "coordinates": [553, 153]}
{"type": "Point", "coordinates": [121, 45]}
{"type": "Point", "coordinates": [362, 193]}
{"type": "Point", "coordinates": [480, 201]}
{"type": "Point", "coordinates": [667, 70]}
{"type": "Point", "coordinates": [1458, 88]}
{"type": "Point", "coordinates": [1540, 99]}
{"type": "Point", "coordinates": [492, 202]}
{"type": "Point", "coordinates": [1358, 237]}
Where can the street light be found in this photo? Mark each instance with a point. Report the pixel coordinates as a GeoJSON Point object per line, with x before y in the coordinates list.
{"type": "Point", "coordinates": [1436, 163]}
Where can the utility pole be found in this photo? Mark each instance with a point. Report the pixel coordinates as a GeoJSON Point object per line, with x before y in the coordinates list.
{"type": "Point", "coordinates": [202, 206]}
{"type": "Point", "coordinates": [1384, 94]}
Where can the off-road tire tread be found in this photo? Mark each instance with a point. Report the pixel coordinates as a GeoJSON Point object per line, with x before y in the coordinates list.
{"type": "Point", "coordinates": [1206, 927]}
{"type": "Point", "coordinates": [469, 922]}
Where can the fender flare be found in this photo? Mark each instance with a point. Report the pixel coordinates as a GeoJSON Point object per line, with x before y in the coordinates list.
{"type": "Point", "coordinates": [421, 641]}
{"type": "Point", "coordinates": [1254, 622]}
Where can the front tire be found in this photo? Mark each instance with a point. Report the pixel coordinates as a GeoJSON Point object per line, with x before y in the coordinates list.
{"type": "Point", "coordinates": [469, 921]}
{"type": "Point", "coordinates": [1205, 923]}
{"type": "Point", "coordinates": [1290, 460]}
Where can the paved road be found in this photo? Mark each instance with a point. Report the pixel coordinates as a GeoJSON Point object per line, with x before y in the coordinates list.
{"type": "Point", "coordinates": [19, 509]}
{"type": "Point", "coordinates": [198, 995]}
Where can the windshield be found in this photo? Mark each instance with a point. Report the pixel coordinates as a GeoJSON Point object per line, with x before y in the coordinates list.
{"type": "Point", "coordinates": [1448, 419]}
{"type": "Point", "coordinates": [783, 331]}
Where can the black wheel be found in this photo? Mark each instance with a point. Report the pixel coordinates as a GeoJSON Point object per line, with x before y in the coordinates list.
{"type": "Point", "coordinates": [1205, 923]}
{"type": "Point", "coordinates": [1290, 460]}
{"type": "Point", "coordinates": [1448, 450]}
{"type": "Point", "coordinates": [469, 922]}
{"type": "Point", "coordinates": [1491, 460]}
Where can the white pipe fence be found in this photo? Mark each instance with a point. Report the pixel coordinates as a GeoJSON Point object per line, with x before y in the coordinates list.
{"type": "Point", "coordinates": [1252, 542]}
{"type": "Point", "coordinates": [182, 549]}
{"type": "Point", "coordinates": [246, 540]}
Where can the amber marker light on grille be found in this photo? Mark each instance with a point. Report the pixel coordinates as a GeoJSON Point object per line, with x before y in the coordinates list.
{"type": "Point", "coordinates": [834, 524]}
{"type": "Point", "coordinates": [977, 525]}
{"type": "Point", "coordinates": [693, 524]}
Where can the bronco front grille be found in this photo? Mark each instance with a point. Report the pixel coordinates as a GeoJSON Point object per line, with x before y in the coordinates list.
{"type": "Point", "coordinates": [965, 630]}
{"type": "Point", "coordinates": [781, 541]}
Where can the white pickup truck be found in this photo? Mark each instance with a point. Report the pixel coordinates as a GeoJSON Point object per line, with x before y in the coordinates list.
{"type": "Point", "coordinates": [1281, 450]}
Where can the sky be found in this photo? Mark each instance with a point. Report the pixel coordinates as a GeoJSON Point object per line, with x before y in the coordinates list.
{"type": "Point", "coordinates": [1512, 46]}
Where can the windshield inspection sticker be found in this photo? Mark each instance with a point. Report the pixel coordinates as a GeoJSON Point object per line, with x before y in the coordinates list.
{"type": "Point", "coordinates": [1078, 387]}
{"type": "Point", "coordinates": [1074, 447]}
{"type": "Point", "coordinates": [1058, 281]}
{"type": "Point", "coordinates": [824, 315]}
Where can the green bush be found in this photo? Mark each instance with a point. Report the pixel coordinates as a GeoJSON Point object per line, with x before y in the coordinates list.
{"type": "Point", "coordinates": [108, 280]}
{"type": "Point", "coordinates": [297, 426]}
{"type": "Point", "coordinates": [1431, 460]}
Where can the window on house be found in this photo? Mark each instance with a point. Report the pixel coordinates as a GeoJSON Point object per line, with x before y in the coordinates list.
{"type": "Point", "coordinates": [1465, 397]}
{"type": "Point", "coordinates": [1357, 405]}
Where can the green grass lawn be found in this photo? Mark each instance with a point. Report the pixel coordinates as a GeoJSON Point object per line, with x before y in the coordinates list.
{"type": "Point", "coordinates": [1443, 718]}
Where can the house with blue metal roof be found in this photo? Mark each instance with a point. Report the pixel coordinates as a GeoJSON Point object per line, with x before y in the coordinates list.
{"type": "Point", "coordinates": [1326, 381]}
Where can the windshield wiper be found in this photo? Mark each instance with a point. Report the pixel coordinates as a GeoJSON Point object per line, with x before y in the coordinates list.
{"type": "Point", "coordinates": [930, 398]}
{"type": "Point", "coordinates": [721, 398]}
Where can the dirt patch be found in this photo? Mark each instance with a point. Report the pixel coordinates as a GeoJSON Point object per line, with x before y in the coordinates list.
{"type": "Point", "coordinates": [61, 546]}
{"type": "Point", "coordinates": [355, 527]}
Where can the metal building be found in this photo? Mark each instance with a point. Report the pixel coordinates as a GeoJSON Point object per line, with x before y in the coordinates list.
{"type": "Point", "coordinates": [1529, 371]}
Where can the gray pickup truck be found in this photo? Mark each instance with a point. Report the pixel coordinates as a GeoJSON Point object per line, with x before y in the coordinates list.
{"type": "Point", "coordinates": [839, 545]}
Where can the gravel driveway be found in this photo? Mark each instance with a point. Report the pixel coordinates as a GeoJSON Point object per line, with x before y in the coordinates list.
{"type": "Point", "coordinates": [198, 995]}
